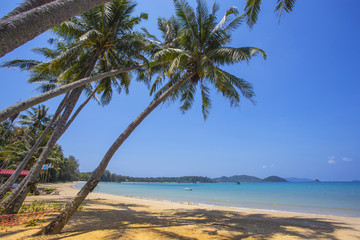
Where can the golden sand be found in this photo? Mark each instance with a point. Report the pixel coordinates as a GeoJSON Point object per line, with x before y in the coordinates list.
{"type": "Point", "coordinates": [107, 216]}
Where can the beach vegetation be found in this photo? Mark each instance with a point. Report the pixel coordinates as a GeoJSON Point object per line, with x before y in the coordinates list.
{"type": "Point", "coordinates": [99, 40]}
{"type": "Point", "coordinates": [112, 177]}
{"type": "Point", "coordinates": [20, 138]}
{"type": "Point", "coordinates": [31, 223]}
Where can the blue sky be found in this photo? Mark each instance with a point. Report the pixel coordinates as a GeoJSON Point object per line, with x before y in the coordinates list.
{"type": "Point", "coordinates": [305, 122]}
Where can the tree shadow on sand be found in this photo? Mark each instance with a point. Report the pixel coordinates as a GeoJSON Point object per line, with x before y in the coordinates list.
{"type": "Point", "coordinates": [124, 218]}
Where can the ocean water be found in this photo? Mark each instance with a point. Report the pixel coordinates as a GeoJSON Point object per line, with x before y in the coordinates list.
{"type": "Point", "coordinates": [340, 199]}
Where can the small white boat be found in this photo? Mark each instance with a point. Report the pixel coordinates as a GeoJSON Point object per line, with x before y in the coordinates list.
{"type": "Point", "coordinates": [188, 189]}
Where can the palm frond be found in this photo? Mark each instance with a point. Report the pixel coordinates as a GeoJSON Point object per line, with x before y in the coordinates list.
{"type": "Point", "coordinates": [231, 11]}
{"type": "Point", "coordinates": [22, 64]}
{"type": "Point", "coordinates": [206, 101]}
{"type": "Point", "coordinates": [230, 55]}
{"type": "Point", "coordinates": [188, 94]}
{"type": "Point", "coordinates": [186, 16]}
{"type": "Point", "coordinates": [252, 9]}
{"type": "Point", "coordinates": [284, 5]}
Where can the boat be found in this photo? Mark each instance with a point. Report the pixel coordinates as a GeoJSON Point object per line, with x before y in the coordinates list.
{"type": "Point", "coordinates": [188, 189]}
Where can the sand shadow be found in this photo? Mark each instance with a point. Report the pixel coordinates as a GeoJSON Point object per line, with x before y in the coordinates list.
{"type": "Point", "coordinates": [124, 218]}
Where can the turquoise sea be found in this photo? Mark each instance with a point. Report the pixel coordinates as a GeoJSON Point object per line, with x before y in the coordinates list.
{"type": "Point", "coordinates": [341, 199]}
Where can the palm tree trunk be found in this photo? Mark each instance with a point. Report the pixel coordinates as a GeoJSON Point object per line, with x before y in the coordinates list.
{"type": "Point", "coordinates": [78, 110]}
{"type": "Point", "coordinates": [13, 202]}
{"type": "Point", "coordinates": [26, 6]}
{"type": "Point", "coordinates": [58, 224]}
{"type": "Point", "coordinates": [7, 185]}
{"type": "Point", "coordinates": [18, 107]}
{"type": "Point", "coordinates": [21, 28]}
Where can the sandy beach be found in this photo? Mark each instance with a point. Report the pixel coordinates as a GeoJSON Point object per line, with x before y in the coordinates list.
{"type": "Point", "coordinates": [107, 216]}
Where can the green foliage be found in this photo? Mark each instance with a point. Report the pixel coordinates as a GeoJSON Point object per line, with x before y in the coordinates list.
{"type": "Point", "coordinates": [18, 137]}
{"type": "Point", "coordinates": [112, 177]}
{"type": "Point", "coordinates": [81, 207]}
{"type": "Point", "coordinates": [66, 169]}
{"type": "Point", "coordinates": [39, 206]}
{"type": "Point", "coordinates": [6, 194]}
{"type": "Point", "coordinates": [84, 176]}
{"type": "Point", "coordinates": [31, 223]}
{"type": "Point", "coordinates": [253, 7]}
{"type": "Point", "coordinates": [194, 46]}
{"type": "Point", "coordinates": [105, 34]}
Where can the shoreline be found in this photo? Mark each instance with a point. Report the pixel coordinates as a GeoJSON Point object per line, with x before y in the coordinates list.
{"type": "Point", "coordinates": [110, 216]}
{"type": "Point", "coordinates": [231, 207]}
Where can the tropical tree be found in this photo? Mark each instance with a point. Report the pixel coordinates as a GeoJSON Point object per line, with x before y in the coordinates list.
{"type": "Point", "coordinates": [36, 131]}
{"type": "Point", "coordinates": [36, 119]}
{"type": "Point", "coordinates": [99, 40]}
{"type": "Point", "coordinates": [34, 17]}
{"type": "Point", "coordinates": [252, 9]}
{"type": "Point", "coordinates": [195, 60]}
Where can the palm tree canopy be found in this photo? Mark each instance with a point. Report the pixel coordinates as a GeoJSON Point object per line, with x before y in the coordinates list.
{"type": "Point", "coordinates": [103, 33]}
{"type": "Point", "coordinates": [195, 43]}
{"type": "Point", "coordinates": [36, 118]}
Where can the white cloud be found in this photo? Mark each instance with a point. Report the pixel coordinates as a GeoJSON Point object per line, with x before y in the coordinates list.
{"type": "Point", "coordinates": [264, 166]}
{"type": "Point", "coordinates": [272, 165]}
{"type": "Point", "coordinates": [331, 160]}
{"type": "Point", "coordinates": [346, 159]}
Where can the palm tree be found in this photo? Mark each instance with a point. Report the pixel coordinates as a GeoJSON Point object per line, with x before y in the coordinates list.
{"type": "Point", "coordinates": [99, 40]}
{"type": "Point", "coordinates": [190, 57]}
{"type": "Point", "coordinates": [252, 9]}
{"type": "Point", "coordinates": [36, 19]}
{"type": "Point", "coordinates": [36, 119]}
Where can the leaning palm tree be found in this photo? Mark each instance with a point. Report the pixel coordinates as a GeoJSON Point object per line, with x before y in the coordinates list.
{"type": "Point", "coordinates": [191, 57]}
{"type": "Point", "coordinates": [252, 9]}
{"type": "Point", "coordinates": [99, 40]}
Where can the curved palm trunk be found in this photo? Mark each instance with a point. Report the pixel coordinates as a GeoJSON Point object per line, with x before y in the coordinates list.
{"type": "Point", "coordinates": [21, 28]}
{"type": "Point", "coordinates": [18, 107]}
{"type": "Point", "coordinates": [58, 224]}
{"type": "Point", "coordinates": [7, 185]}
{"type": "Point", "coordinates": [13, 202]}
{"type": "Point", "coordinates": [26, 6]}
{"type": "Point", "coordinates": [78, 111]}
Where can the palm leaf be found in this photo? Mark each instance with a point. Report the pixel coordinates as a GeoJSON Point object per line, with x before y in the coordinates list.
{"type": "Point", "coordinates": [252, 9]}
{"type": "Point", "coordinates": [284, 5]}
{"type": "Point", "coordinates": [206, 102]}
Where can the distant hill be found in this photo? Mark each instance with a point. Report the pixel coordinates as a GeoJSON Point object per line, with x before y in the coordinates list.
{"type": "Point", "coordinates": [294, 179]}
{"type": "Point", "coordinates": [274, 179]}
{"type": "Point", "coordinates": [246, 178]}
{"type": "Point", "coordinates": [237, 178]}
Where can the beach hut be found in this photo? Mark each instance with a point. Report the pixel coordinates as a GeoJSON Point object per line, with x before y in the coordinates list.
{"type": "Point", "coordinates": [5, 173]}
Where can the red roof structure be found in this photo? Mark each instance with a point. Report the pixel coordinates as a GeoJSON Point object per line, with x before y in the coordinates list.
{"type": "Point", "coordinates": [6, 172]}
